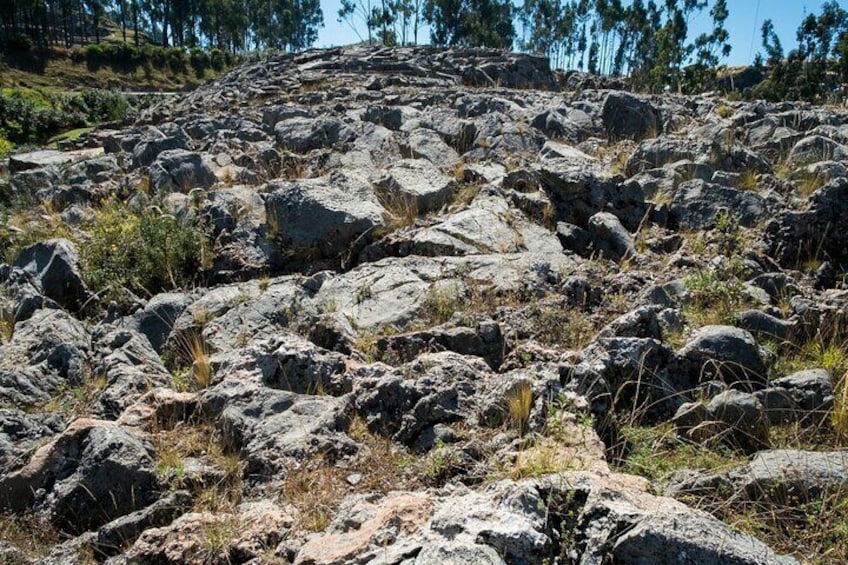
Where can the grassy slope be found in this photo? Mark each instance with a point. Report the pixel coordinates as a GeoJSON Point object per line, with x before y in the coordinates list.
{"type": "Point", "coordinates": [55, 69]}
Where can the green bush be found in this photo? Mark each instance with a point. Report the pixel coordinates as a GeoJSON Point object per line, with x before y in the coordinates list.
{"type": "Point", "coordinates": [6, 146]}
{"type": "Point", "coordinates": [142, 251]}
{"type": "Point", "coordinates": [199, 60]}
{"type": "Point", "coordinates": [30, 116]}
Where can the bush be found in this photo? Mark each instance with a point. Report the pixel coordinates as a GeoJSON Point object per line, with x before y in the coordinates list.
{"type": "Point", "coordinates": [19, 42]}
{"type": "Point", "coordinates": [177, 60]}
{"type": "Point", "coordinates": [144, 252]}
{"type": "Point", "coordinates": [6, 146]}
{"type": "Point", "coordinates": [217, 60]}
{"type": "Point", "coordinates": [199, 61]}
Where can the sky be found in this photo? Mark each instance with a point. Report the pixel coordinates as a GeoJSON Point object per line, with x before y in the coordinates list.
{"type": "Point", "coordinates": [746, 18]}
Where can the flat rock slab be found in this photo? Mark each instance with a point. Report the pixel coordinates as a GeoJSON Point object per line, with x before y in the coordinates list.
{"type": "Point", "coordinates": [48, 157]}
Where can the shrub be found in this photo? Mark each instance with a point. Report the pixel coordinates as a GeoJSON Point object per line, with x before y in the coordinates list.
{"type": "Point", "coordinates": [6, 146]}
{"type": "Point", "coordinates": [143, 252]}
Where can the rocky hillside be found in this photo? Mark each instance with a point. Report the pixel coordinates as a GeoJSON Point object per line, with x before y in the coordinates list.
{"type": "Point", "coordinates": [417, 306]}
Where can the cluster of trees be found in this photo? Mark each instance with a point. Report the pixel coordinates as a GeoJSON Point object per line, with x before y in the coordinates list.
{"type": "Point", "coordinates": [234, 25]}
{"type": "Point", "coordinates": [649, 40]}
{"type": "Point", "coordinates": [816, 66]}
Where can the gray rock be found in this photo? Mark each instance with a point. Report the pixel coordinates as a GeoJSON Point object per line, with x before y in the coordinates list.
{"type": "Point", "coordinates": [417, 181]}
{"type": "Point", "coordinates": [53, 267]}
{"type": "Point", "coordinates": [697, 203]}
{"type": "Point", "coordinates": [816, 148]}
{"type": "Point", "coordinates": [436, 388]}
{"type": "Point", "coordinates": [301, 134]}
{"type": "Point", "coordinates": [577, 193]}
{"type": "Point", "coordinates": [178, 170]}
{"type": "Point", "coordinates": [609, 237]}
{"type": "Point", "coordinates": [805, 396]}
{"type": "Point", "coordinates": [486, 341]}
{"type": "Point", "coordinates": [324, 215]}
{"type": "Point", "coordinates": [796, 236]}
{"type": "Point", "coordinates": [118, 533]}
{"type": "Point", "coordinates": [427, 144]}
{"type": "Point", "coordinates": [488, 225]}
{"type": "Point", "coordinates": [271, 428]}
{"type": "Point", "coordinates": [741, 420]}
{"type": "Point", "coordinates": [47, 353]}
{"type": "Point", "coordinates": [91, 461]}
{"type": "Point", "coordinates": [764, 326]}
{"type": "Point", "coordinates": [626, 117]}
{"type": "Point", "coordinates": [48, 158]}
{"type": "Point", "coordinates": [130, 366]}
{"type": "Point", "coordinates": [145, 153]}
{"type": "Point", "coordinates": [638, 375]}
{"type": "Point", "coordinates": [724, 352]}
{"type": "Point", "coordinates": [157, 318]}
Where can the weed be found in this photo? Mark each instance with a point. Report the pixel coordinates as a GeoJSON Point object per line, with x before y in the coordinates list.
{"type": "Point", "coordinates": [142, 252]}
{"type": "Point", "coordinates": [519, 403]}
{"type": "Point", "coordinates": [656, 453]}
{"type": "Point", "coordinates": [749, 181]}
{"type": "Point", "coordinates": [33, 536]}
{"type": "Point", "coordinates": [401, 209]}
{"type": "Point", "coordinates": [442, 302]}
{"type": "Point", "coordinates": [724, 111]}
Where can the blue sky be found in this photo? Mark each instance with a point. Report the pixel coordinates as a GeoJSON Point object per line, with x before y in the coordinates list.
{"type": "Point", "coordinates": [745, 19]}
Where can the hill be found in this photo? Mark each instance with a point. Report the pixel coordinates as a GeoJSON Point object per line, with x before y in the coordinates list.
{"type": "Point", "coordinates": [421, 305]}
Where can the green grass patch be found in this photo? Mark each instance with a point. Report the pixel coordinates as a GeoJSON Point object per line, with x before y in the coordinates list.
{"type": "Point", "coordinates": [656, 453]}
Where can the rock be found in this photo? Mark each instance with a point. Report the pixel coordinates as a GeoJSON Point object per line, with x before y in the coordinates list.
{"type": "Point", "coordinates": [157, 318]}
{"type": "Point", "coordinates": [21, 432]}
{"type": "Point", "coordinates": [637, 376]}
{"type": "Point", "coordinates": [435, 388]}
{"type": "Point", "coordinates": [805, 396]}
{"type": "Point", "coordinates": [764, 326]}
{"type": "Point", "coordinates": [793, 237]}
{"type": "Point", "coordinates": [271, 427]}
{"type": "Point", "coordinates": [221, 538]}
{"type": "Point", "coordinates": [178, 170]}
{"type": "Point", "coordinates": [118, 533]}
{"type": "Point", "coordinates": [816, 148]}
{"type": "Point", "coordinates": [609, 238]}
{"type": "Point", "coordinates": [724, 352]}
{"type": "Point", "coordinates": [427, 144]}
{"type": "Point", "coordinates": [53, 267]}
{"type": "Point", "coordinates": [578, 193]}
{"type": "Point", "coordinates": [89, 461]}
{"type": "Point", "coordinates": [485, 341]}
{"type": "Point", "coordinates": [47, 353]}
{"type": "Point", "coordinates": [697, 203]}
{"type": "Point", "coordinates": [626, 117]}
{"type": "Point", "coordinates": [741, 420]}
{"type": "Point", "coordinates": [130, 367]}
{"type": "Point", "coordinates": [49, 158]}
{"type": "Point", "coordinates": [301, 134]}
{"type": "Point", "coordinates": [463, 233]}
{"type": "Point", "coordinates": [419, 182]}
{"type": "Point", "coordinates": [146, 152]}
{"type": "Point", "coordinates": [322, 215]}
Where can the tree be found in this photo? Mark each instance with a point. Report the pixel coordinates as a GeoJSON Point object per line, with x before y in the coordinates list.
{"type": "Point", "coordinates": [470, 23]}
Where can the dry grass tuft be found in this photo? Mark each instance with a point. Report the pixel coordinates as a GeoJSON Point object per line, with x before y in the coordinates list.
{"type": "Point", "coordinates": [519, 404]}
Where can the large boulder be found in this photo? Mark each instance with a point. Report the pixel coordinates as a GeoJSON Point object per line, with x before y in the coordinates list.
{"type": "Point", "coordinates": [53, 267]}
{"type": "Point", "coordinates": [302, 134]}
{"type": "Point", "coordinates": [178, 170]}
{"type": "Point", "coordinates": [323, 215]}
{"type": "Point", "coordinates": [627, 117]}
{"type": "Point", "coordinates": [696, 205]}
{"type": "Point", "coordinates": [419, 183]}
{"type": "Point", "coordinates": [92, 473]}
{"type": "Point", "coordinates": [797, 236]}
{"type": "Point", "coordinates": [725, 353]}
